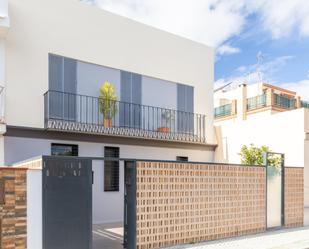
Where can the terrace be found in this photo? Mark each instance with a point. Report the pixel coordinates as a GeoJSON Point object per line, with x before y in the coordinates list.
{"type": "Point", "coordinates": [94, 115]}
{"type": "Point", "coordinates": [266, 101]}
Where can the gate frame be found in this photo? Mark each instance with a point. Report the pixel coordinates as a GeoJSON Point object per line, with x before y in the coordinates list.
{"type": "Point", "coordinates": [265, 159]}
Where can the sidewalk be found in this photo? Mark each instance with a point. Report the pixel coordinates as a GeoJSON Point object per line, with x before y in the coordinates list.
{"type": "Point", "coordinates": [280, 239]}
{"type": "Point", "coordinates": [297, 238]}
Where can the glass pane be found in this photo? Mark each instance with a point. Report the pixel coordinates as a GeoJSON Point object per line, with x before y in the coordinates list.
{"type": "Point", "coordinates": [274, 196]}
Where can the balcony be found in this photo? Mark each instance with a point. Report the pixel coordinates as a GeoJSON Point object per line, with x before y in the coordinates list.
{"type": "Point", "coordinates": [256, 102]}
{"type": "Point", "coordinates": [284, 102]}
{"type": "Point", "coordinates": [87, 114]}
{"type": "Point", "coordinates": [223, 111]}
{"type": "Point", "coordinates": [305, 104]}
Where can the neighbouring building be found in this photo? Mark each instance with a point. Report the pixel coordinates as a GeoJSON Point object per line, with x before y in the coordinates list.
{"type": "Point", "coordinates": [55, 63]}
{"type": "Point", "coordinates": [263, 114]}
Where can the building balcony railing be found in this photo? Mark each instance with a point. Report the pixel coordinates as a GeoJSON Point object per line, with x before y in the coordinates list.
{"type": "Point", "coordinates": [256, 102]}
{"type": "Point", "coordinates": [284, 102]}
{"type": "Point", "coordinates": [87, 114]}
{"type": "Point", "coordinates": [305, 104]}
{"type": "Point", "coordinates": [223, 111]}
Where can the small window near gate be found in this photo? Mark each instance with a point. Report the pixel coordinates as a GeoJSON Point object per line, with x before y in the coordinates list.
{"type": "Point", "coordinates": [182, 158]}
{"type": "Point", "coordinates": [111, 169]}
{"type": "Point", "coordinates": [64, 149]}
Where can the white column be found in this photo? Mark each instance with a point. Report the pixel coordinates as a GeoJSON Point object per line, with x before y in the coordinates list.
{"type": "Point", "coordinates": [1, 150]}
{"type": "Point", "coordinates": [242, 102]}
{"type": "Point", "coordinates": [2, 79]}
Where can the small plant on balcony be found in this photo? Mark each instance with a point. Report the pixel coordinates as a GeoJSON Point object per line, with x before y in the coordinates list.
{"type": "Point", "coordinates": [167, 116]}
{"type": "Point", "coordinates": [108, 103]}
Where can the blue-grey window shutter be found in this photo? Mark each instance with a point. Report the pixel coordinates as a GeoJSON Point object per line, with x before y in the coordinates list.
{"type": "Point", "coordinates": [125, 97]}
{"type": "Point", "coordinates": [185, 107]}
{"type": "Point", "coordinates": [55, 78]}
{"type": "Point", "coordinates": [137, 100]}
{"type": "Point", "coordinates": [69, 87]}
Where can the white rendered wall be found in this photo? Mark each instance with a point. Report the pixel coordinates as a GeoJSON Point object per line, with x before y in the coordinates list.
{"type": "Point", "coordinates": [2, 79]}
{"type": "Point", "coordinates": [282, 132]}
{"type": "Point", "coordinates": [1, 150]}
{"type": "Point", "coordinates": [107, 206]}
{"type": "Point", "coordinates": [306, 157]}
{"type": "Point", "coordinates": [87, 33]}
{"type": "Point", "coordinates": [34, 209]}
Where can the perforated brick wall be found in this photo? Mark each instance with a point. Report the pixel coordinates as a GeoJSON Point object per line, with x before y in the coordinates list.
{"type": "Point", "coordinates": [294, 197]}
{"type": "Point", "coordinates": [179, 203]}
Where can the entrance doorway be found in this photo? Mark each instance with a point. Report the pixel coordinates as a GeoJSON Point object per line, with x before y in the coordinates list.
{"type": "Point", "coordinates": [78, 213]}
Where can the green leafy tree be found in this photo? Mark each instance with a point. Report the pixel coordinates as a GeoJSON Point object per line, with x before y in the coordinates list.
{"type": "Point", "coordinates": [253, 155]}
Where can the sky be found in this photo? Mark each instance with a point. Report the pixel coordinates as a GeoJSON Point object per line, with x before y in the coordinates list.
{"type": "Point", "coordinates": [254, 40]}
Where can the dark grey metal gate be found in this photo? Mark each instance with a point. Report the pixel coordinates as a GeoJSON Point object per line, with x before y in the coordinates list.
{"type": "Point", "coordinates": [67, 203]}
{"type": "Point", "coordinates": [130, 205]}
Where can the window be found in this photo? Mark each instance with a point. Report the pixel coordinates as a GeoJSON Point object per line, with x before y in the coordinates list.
{"type": "Point", "coordinates": [111, 169]}
{"type": "Point", "coordinates": [182, 158]}
{"type": "Point", "coordinates": [64, 149]}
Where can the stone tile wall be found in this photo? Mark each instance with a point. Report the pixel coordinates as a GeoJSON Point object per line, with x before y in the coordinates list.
{"type": "Point", "coordinates": [13, 208]}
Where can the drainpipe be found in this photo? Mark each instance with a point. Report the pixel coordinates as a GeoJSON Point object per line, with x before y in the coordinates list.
{"type": "Point", "coordinates": [242, 102]}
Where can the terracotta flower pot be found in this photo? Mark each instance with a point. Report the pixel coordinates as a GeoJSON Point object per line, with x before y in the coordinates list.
{"type": "Point", "coordinates": [164, 129]}
{"type": "Point", "coordinates": [108, 123]}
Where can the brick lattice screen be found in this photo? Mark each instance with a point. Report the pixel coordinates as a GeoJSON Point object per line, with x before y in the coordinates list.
{"type": "Point", "coordinates": [13, 209]}
{"type": "Point", "coordinates": [294, 197]}
{"type": "Point", "coordinates": [180, 203]}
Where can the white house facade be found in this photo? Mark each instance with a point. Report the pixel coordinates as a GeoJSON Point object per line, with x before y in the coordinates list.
{"type": "Point", "coordinates": [57, 56]}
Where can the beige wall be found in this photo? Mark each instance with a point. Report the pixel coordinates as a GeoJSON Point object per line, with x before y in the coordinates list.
{"type": "Point", "coordinates": [76, 30]}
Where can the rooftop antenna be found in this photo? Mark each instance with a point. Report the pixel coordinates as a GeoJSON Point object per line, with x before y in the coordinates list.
{"type": "Point", "coordinates": [259, 58]}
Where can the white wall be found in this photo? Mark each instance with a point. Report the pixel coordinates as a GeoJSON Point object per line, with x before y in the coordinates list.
{"type": "Point", "coordinates": [282, 132]}
{"type": "Point", "coordinates": [86, 33]}
{"type": "Point", "coordinates": [4, 19]}
{"type": "Point", "coordinates": [2, 78]}
{"type": "Point", "coordinates": [1, 150]}
{"type": "Point", "coordinates": [34, 209]}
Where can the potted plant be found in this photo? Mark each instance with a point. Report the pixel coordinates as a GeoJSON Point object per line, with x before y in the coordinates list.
{"type": "Point", "coordinates": [108, 103]}
{"type": "Point", "coordinates": [167, 116]}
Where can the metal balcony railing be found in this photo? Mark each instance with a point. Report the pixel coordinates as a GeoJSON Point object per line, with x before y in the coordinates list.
{"type": "Point", "coordinates": [305, 104]}
{"type": "Point", "coordinates": [223, 111]}
{"type": "Point", "coordinates": [256, 102]}
{"type": "Point", "coordinates": [284, 102]}
{"type": "Point", "coordinates": [80, 113]}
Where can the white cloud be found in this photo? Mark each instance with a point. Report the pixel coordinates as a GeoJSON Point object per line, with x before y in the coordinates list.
{"type": "Point", "coordinates": [283, 18]}
{"type": "Point", "coordinates": [301, 87]}
{"type": "Point", "coordinates": [213, 22]}
{"type": "Point", "coordinates": [227, 49]}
